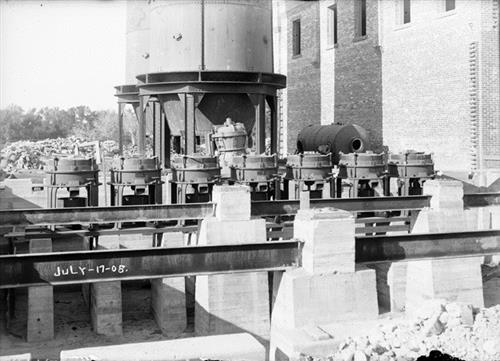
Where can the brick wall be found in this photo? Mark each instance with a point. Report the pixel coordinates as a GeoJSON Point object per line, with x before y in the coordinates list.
{"type": "Point", "coordinates": [303, 71]}
{"type": "Point", "coordinates": [358, 77]}
{"type": "Point", "coordinates": [428, 91]}
{"type": "Point", "coordinates": [490, 85]}
{"type": "Point", "coordinates": [327, 66]}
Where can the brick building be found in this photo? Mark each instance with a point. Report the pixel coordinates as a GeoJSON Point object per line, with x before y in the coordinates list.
{"type": "Point", "coordinates": [417, 74]}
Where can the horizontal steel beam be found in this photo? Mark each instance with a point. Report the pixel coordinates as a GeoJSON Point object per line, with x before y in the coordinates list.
{"type": "Point", "coordinates": [368, 204]}
{"type": "Point", "coordinates": [481, 199]}
{"type": "Point", "coordinates": [406, 247]}
{"type": "Point", "coordinates": [107, 265]}
{"type": "Point", "coordinates": [58, 233]}
{"type": "Point", "coordinates": [143, 213]}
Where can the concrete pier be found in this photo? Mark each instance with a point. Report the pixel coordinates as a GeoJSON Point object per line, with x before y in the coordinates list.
{"type": "Point", "coordinates": [457, 279]}
{"type": "Point", "coordinates": [329, 288]}
{"type": "Point", "coordinates": [40, 320]}
{"type": "Point", "coordinates": [168, 295]}
{"type": "Point", "coordinates": [235, 302]}
{"type": "Point", "coordinates": [106, 299]}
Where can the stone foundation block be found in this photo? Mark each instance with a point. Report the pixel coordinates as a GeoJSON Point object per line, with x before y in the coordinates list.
{"type": "Point", "coordinates": [106, 298]}
{"type": "Point", "coordinates": [106, 308]}
{"type": "Point", "coordinates": [455, 280]}
{"type": "Point", "coordinates": [168, 295]}
{"type": "Point", "coordinates": [329, 240]}
{"type": "Point", "coordinates": [40, 320]}
{"type": "Point", "coordinates": [232, 202]}
{"type": "Point", "coordinates": [233, 303]}
{"type": "Point", "coordinates": [309, 300]}
{"type": "Point", "coordinates": [168, 301]}
{"type": "Point", "coordinates": [213, 231]}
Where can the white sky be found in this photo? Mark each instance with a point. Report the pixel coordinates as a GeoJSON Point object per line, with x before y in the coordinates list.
{"type": "Point", "coordinates": [61, 53]}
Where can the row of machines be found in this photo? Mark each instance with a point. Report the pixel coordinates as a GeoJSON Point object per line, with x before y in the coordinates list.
{"type": "Point", "coordinates": [331, 162]}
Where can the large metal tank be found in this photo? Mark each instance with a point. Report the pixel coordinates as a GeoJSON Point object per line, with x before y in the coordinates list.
{"type": "Point", "coordinates": [189, 35]}
{"type": "Point", "coordinates": [333, 138]}
{"type": "Point", "coordinates": [137, 49]}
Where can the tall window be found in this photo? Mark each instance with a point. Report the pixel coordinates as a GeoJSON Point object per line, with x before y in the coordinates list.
{"type": "Point", "coordinates": [406, 11]}
{"type": "Point", "coordinates": [360, 17]}
{"type": "Point", "coordinates": [449, 5]}
{"type": "Point", "coordinates": [296, 37]}
{"type": "Point", "coordinates": [332, 25]}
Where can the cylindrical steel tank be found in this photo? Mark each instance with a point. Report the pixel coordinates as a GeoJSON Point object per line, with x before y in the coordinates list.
{"type": "Point", "coordinates": [135, 170]}
{"type": "Point", "coordinates": [195, 169]}
{"type": "Point", "coordinates": [361, 165]}
{"type": "Point", "coordinates": [254, 168]}
{"type": "Point", "coordinates": [211, 35]}
{"type": "Point", "coordinates": [413, 164]}
{"type": "Point", "coordinates": [333, 138]}
{"type": "Point", "coordinates": [72, 172]}
{"type": "Point", "coordinates": [309, 166]}
{"type": "Point", "coordinates": [137, 39]}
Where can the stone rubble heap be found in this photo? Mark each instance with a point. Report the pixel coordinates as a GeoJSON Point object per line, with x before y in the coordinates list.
{"type": "Point", "coordinates": [452, 328]}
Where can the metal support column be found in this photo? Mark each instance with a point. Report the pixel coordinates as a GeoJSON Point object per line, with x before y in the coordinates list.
{"type": "Point", "coordinates": [259, 103]}
{"type": "Point", "coordinates": [120, 127]}
{"type": "Point", "coordinates": [189, 124]}
{"type": "Point", "coordinates": [271, 100]}
{"type": "Point", "coordinates": [141, 130]}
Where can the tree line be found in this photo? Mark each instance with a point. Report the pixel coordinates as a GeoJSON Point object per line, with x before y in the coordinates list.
{"type": "Point", "coordinates": [52, 122]}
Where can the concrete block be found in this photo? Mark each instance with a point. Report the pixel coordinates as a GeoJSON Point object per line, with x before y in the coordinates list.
{"type": "Point", "coordinates": [233, 303]}
{"type": "Point", "coordinates": [168, 295]}
{"type": "Point", "coordinates": [328, 234]}
{"type": "Point", "coordinates": [391, 285]}
{"type": "Point", "coordinates": [106, 308]}
{"type": "Point", "coordinates": [40, 320]}
{"type": "Point", "coordinates": [237, 347]}
{"type": "Point", "coordinates": [106, 298]}
{"type": "Point", "coordinates": [168, 301]}
{"type": "Point", "coordinates": [232, 202]}
{"type": "Point", "coordinates": [214, 231]}
{"type": "Point", "coordinates": [455, 280]}
{"type": "Point", "coordinates": [309, 300]}
{"type": "Point", "coordinates": [445, 193]}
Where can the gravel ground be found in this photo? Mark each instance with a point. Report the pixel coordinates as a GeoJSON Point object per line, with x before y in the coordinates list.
{"type": "Point", "coordinates": [456, 329]}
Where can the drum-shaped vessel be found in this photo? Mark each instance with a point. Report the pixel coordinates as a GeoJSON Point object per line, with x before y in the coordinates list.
{"type": "Point", "coordinates": [254, 168]}
{"type": "Point", "coordinates": [333, 138]}
{"type": "Point", "coordinates": [413, 164]}
{"type": "Point", "coordinates": [135, 171]}
{"type": "Point", "coordinates": [309, 166]}
{"type": "Point", "coordinates": [72, 172]}
{"type": "Point", "coordinates": [361, 165]}
{"type": "Point", "coordinates": [195, 169]}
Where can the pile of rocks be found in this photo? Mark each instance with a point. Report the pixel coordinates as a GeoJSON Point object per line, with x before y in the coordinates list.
{"type": "Point", "coordinates": [454, 328]}
{"type": "Point", "coordinates": [34, 155]}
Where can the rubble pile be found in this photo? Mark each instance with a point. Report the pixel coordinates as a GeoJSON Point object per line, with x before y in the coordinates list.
{"type": "Point", "coordinates": [34, 155]}
{"type": "Point", "coordinates": [456, 329]}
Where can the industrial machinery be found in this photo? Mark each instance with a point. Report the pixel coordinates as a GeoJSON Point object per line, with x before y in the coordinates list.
{"type": "Point", "coordinates": [308, 172]}
{"type": "Point", "coordinates": [141, 175]}
{"type": "Point", "coordinates": [367, 174]}
{"type": "Point", "coordinates": [193, 177]}
{"type": "Point", "coordinates": [414, 168]}
{"type": "Point", "coordinates": [230, 140]}
{"type": "Point", "coordinates": [72, 174]}
{"type": "Point", "coordinates": [333, 138]}
{"type": "Point", "coordinates": [260, 173]}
